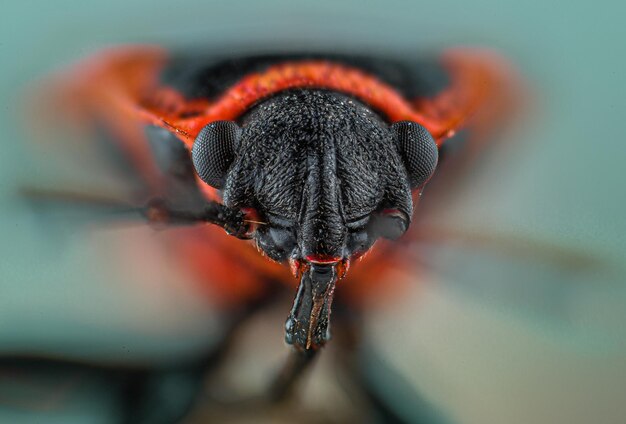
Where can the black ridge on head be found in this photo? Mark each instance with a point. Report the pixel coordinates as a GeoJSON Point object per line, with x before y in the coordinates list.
{"type": "Point", "coordinates": [418, 149]}
{"type": "Point", "coordinates": [214, 150]}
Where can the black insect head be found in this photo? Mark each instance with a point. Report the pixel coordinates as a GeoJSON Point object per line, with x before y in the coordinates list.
{"type": "Point", "coordinates": [327, 177]}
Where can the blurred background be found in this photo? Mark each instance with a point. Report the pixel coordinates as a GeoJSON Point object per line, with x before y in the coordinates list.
{"type": "Point", "coordinates": [486, 336]}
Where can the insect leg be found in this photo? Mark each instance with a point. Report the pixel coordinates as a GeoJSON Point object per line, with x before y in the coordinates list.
{"type": "Point", "coordinates": [386, 397]}
{"type": "Point", "coordinates": [295, 366]}
{"type": "Point", "coordinates": [149, 399]}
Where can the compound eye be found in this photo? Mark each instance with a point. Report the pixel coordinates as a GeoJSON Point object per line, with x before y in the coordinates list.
{"type": "Point", "coordinates": [213, 151]}
{"type": "Point", "coordinates": [418, 149]}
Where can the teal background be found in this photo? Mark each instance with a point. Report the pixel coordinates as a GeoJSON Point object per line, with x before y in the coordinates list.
{"type": "Point", "coordinates": [493, 339]}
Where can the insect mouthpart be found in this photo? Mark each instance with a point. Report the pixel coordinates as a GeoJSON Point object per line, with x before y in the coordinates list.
{"type": "Point", "coordinates": [308, 325]}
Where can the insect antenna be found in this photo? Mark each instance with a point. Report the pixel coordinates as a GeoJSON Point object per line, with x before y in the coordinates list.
{"type": "Point", "coordinates": [157, 212]}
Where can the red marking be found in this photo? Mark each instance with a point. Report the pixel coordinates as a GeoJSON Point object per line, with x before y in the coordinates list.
{"type": "Point", "coordinates": [304, 74]}
{"type": "Point", "coordinates": [323, 259]}
{"type": "Point", "coordinates": [482, 90]}
{"type": "Point", "coordinates": [121, 87]}
{"type": "Point", "coordinates": [342, 268]}
{"type": "Point", "coordinates": [228, 269]}
{"type": "Point", "coordinates": [476, 76]}
{"type": "Point", "coordinates": [296, 267]}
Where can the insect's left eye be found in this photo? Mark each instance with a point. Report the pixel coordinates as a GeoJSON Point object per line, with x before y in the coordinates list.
{"type": "Point", "coordinates": [418, 149]}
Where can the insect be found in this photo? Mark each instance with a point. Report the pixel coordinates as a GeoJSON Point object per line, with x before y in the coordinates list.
{"type": "Point", "coordinates": [313, 164]}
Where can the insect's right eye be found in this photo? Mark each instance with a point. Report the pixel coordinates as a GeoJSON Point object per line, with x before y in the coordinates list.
{"type": "Point", "coordinates": [213, 151]}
